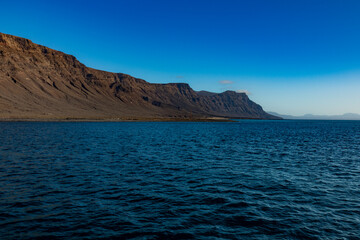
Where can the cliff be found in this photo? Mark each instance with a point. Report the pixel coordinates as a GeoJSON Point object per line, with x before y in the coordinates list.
{"type": "Point", "coordinates": [41, 83]}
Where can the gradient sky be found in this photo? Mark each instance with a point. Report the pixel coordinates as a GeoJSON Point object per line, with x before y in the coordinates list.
{"type": "Point", "coordinates": [292, 57]}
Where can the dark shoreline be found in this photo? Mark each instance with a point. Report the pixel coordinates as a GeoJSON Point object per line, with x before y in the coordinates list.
{"type": "Point", "coordinates": [116, 120]}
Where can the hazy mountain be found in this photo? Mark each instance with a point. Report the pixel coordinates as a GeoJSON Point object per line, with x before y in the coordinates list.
{"type": "Point", "coordinates": [346, 116]}
{"type": "Point", "coordinates": [40, 83]}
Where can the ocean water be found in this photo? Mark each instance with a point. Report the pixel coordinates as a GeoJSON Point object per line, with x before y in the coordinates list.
{"type": "Point", "coordinates": [242, 180]}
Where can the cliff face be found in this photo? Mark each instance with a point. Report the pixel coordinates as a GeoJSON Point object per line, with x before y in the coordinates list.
{"type": "Point", "coordinates": [38, 82]}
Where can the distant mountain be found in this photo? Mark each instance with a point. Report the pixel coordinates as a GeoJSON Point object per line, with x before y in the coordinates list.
{"type": "Point", "coordinates": [41, 83]}
{"type": "Point", "coordinates": [206, 93]}
{"type": "Point", "coordinates": [346, 116]}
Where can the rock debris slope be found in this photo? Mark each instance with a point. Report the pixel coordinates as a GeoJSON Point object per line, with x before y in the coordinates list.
{"type": "Point", "coordinates": [37, 82]}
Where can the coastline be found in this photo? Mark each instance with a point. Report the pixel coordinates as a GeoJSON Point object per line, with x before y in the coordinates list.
{"type": "Point", "coordinates": [127, 119]}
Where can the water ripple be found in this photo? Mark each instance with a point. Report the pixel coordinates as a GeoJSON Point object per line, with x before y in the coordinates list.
{"type": "Point", "coordinates": [244, 180]}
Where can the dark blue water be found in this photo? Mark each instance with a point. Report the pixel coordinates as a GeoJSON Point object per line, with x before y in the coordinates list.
{"type": "Point", "coordinates": [244, 180]}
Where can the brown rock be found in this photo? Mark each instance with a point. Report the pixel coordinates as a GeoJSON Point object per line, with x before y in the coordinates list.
{"type": "Point", "coordinates": [41, 83]}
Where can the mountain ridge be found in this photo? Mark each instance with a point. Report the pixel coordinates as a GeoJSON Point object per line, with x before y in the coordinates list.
{"type": "Point", "coordinates": [345, 116]}
{"type": "Point", "coordinates": [38, 82]}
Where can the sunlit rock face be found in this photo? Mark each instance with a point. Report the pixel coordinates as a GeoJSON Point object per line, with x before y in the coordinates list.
{"type": "Point", "coordinates": [39, 82]}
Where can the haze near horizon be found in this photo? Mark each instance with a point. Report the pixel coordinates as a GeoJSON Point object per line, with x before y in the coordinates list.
{"type": "Point", "coordinates": [293, 57]}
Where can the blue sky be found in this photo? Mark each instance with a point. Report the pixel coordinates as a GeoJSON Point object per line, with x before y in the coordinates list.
{"type": "Point", "coordinates": [292, 57]}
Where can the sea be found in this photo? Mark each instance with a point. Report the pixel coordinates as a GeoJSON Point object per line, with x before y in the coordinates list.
{"type": "Point", "coordinates": [250, 179]}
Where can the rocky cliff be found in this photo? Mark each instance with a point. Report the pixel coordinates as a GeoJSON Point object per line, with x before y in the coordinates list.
{"type": "Point", "coordinates": [41, 83]}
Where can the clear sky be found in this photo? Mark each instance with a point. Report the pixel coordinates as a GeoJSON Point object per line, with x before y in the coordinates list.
{"type": "Point", "coordinates": [292, 57]}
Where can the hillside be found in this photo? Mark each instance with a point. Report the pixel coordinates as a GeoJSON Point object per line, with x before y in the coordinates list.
{"type": "Point", "coordinates": [37, 82]}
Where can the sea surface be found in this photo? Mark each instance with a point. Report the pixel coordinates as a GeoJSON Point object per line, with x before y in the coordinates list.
{"type": "Point", "coordinates": [167, 180]}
